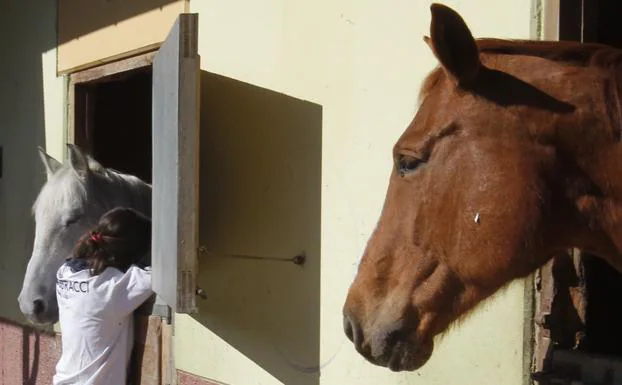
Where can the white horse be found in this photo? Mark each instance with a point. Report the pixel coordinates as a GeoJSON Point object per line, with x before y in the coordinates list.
{"type": "Point", "coordinates": [72, 200]}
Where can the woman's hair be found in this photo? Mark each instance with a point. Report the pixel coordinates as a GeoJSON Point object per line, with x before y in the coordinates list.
{"type": "Point", "coordinates": [122, 237]}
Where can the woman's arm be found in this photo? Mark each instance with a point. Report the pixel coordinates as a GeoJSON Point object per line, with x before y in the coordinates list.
{"type": "Point", "coordinates": [126, 293]}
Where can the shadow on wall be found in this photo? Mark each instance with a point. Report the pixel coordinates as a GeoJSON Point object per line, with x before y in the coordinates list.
{"type": "Point", "coordinates": [261, 157]}
{"type": "Point", "coordinates": [30, 32]}
{"type": "Point", "coordinates": [28, 356]}
{"type": "Point", "coordinates": [101, 14]}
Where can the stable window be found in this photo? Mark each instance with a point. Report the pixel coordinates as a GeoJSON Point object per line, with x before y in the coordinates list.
{"type": "Point", "coordinates": [578, 301]}
{"type": "Point", "coordinates": [140, 116]}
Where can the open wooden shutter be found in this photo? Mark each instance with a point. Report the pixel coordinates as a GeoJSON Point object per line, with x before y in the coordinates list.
{"type": "Point", "coordinates": [176, 82]}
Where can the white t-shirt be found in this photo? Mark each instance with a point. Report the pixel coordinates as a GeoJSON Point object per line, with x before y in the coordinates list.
{"type": "Point", "coordinates": [95, 314]}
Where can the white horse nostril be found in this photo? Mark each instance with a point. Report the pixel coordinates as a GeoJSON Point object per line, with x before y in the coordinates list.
{"type": "Point", "coordinates": [38, 306]}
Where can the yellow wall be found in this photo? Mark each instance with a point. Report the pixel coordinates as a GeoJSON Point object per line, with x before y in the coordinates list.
{"type": "Point", "coordinates": [97, 31]}
{"type": "Point", "coordinates": [301, 104]}
{"type": "Point", "coordinates": [359, 64]}
{"type": "Point", "coordinates": [31, 110]}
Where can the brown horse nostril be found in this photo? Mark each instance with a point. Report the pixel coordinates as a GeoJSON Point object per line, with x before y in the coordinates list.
{"type": "Point", "coordinates": [38, 306]}
{"type": "Point", "coordinates": [394, 337]}
{"type": "Point", "coordinates": [355, 334]}
{"type": "Point", "coordinates": [347, 327]}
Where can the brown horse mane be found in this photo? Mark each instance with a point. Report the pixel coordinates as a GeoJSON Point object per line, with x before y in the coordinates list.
{"type": "Point", "coordinates": [581, 54]}
{"type": "Point", "coordinates": [572, 53]}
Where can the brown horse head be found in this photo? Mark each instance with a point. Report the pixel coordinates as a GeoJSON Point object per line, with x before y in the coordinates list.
{"type": "Point", "coordinates": [513, 156]}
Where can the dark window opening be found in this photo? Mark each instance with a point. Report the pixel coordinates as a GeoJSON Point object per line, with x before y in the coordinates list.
{"type": "Point", "coordinates": [604, 307]}
{"type": "Point", "coordinates": [113, 121]}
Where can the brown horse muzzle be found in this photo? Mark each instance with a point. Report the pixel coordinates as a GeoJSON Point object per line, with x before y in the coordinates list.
{"type": "Point", "coordinates": [393, 346]}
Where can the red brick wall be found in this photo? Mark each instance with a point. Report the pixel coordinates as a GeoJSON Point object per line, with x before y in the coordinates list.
{"type": "Point", "coordinates": [27, 356]}
{"type": "Point", "coordinates": [184, 378]}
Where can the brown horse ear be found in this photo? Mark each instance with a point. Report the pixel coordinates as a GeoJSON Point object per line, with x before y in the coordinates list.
{"type": "Point", "coordinates": [453, 44]}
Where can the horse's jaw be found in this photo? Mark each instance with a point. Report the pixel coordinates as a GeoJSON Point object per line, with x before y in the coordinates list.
{"type": "Point", "coordinates": [43, 320]}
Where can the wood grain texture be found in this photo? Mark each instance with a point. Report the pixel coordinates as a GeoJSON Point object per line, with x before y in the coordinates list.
{"type": "Point", "coordinates": [168, 362]}
{"type": "Point", "coordinates": [175, 165]}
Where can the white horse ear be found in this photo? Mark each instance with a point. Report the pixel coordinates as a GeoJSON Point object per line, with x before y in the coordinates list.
{"type": "Point", "coordinates": [94, 165]}
{"type": "Point", "coordinates": [51, 164]}
{"type": "Point", "coordinates": [78, 160]}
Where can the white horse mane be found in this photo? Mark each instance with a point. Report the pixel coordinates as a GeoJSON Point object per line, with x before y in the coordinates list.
{"type": "Point", "coordinates": [108, 188]}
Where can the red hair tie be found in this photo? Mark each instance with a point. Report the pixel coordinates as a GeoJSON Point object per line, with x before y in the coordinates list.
{"type": "Point", "coordinates": [96, 237]}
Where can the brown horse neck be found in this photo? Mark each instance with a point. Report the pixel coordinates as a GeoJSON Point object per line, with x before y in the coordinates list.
{"type": "Point", "coordinates": [597, 194]}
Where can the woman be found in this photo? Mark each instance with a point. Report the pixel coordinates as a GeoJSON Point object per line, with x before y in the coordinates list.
{"type": "Point", "coordinates": [98, 289]}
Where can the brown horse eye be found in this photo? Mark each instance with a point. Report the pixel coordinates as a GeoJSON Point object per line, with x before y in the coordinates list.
{"type": "Point", "coordinates": [407, 163]}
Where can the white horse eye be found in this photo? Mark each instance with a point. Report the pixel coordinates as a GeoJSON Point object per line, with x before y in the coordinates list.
{"type": "Point", "coordinates": [71, 221]}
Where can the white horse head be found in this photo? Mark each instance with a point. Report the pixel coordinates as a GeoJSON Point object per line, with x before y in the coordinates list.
{"type": "Point", "coordinates": [72, 200]}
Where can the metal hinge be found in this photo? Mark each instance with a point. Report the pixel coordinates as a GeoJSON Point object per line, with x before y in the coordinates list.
{"type": "Point", "coordinates": [161, 309]}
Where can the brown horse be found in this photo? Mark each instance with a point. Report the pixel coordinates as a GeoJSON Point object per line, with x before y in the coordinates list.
{"type": "Point", "coordinates": [514, 156]}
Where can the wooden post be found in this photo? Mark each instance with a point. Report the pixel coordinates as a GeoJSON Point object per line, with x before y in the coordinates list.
{"type": "Point", "coordinates": [146, 365]}
{"type": "Point", "coordinates": [168, 364]}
